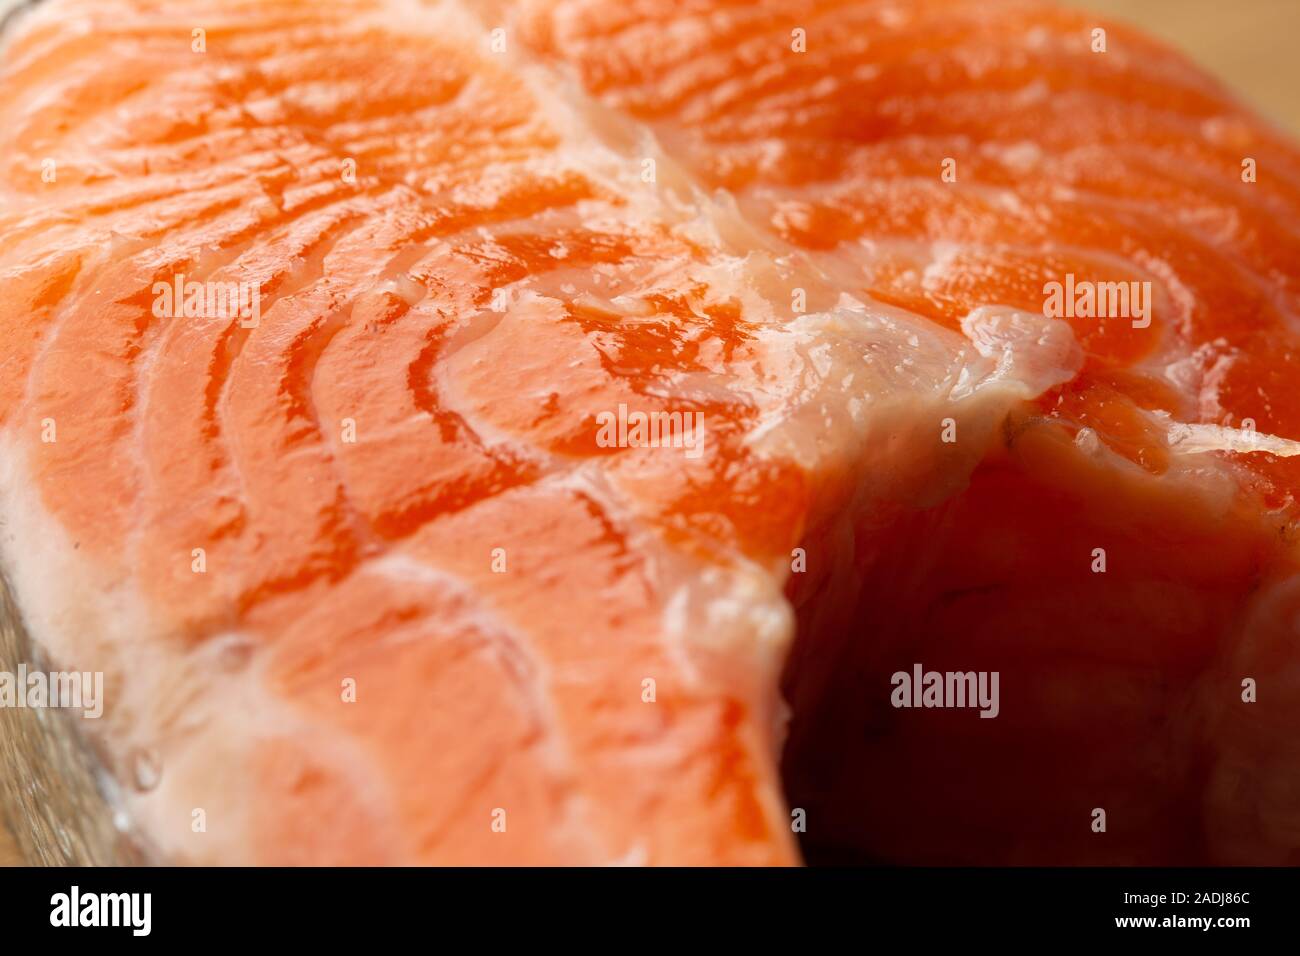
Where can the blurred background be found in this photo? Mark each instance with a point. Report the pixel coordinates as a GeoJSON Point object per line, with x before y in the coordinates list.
{"type": "Point", "coordinates": [1249, 44]}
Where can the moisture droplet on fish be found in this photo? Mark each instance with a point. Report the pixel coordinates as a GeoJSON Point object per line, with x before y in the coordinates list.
{"type": "Point", "coordinates": [1088, 441]}
{"type": "Point", "coordinates": [146, 769]}
{"type": "Point", "coordinates": [234, 653]}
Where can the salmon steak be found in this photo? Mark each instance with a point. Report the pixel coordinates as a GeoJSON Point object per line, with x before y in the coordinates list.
{"type": "Point", "coordinates": [666, 432]}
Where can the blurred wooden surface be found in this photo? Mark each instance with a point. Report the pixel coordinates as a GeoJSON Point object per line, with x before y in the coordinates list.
{"type": "Point", "coordinates": [1248, 44]}
{"type": "Point", "coordinates": [8, 852]}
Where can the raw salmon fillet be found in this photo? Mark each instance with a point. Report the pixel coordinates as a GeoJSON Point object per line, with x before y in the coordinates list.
{"type": "Point", "coordinates": [366, 578]}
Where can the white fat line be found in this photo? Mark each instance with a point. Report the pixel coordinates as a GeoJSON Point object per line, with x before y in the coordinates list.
{"type": "Point", "coordinates": [511, 643]}
{"type": "Point", "coordinates": [1195, 439]}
